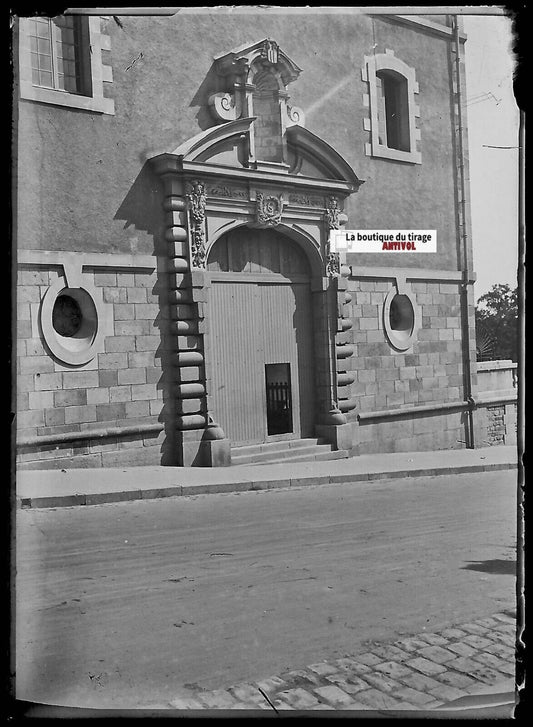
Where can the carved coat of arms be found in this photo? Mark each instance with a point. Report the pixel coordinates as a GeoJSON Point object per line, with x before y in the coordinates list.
{"type": "Point", "coordinates": [269, 210]}
{"type": "Point", "coordinates": [269, 51]}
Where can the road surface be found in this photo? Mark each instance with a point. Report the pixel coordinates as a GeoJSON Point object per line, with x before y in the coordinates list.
{"type": "Point", "coordinates": [121, 605]}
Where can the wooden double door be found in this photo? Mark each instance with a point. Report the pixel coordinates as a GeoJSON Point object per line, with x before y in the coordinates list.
{"type": "Point", "coordinates": [261, 367]}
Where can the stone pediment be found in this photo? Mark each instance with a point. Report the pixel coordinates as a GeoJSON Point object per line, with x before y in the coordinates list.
{"type": "Point", "coordinates": [223, 150]}
{"type": "Point", "coordinates": [314, 157]}
{"type": "Point", "coordinates": [245, 60]}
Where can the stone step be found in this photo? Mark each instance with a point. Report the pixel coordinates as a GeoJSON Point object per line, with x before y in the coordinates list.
{"type": "Point", "coordinates": [336, 454]}
{"type": "Point", "coordinates": [297, 454]}
{"type": "Point", "coordinates": [281, 446]}
{"type": "Point", "coordinates": [279, 454]}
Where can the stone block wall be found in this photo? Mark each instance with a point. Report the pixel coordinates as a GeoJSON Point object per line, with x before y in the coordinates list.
{"type": "Point", "coordinates": [496, 424]}
{"type": "Point", "coordinates": [497, 403]}
{"type": "Point", "coordinates": [430, 372]}
{"type": "Point", "coordinates": [121, 391]}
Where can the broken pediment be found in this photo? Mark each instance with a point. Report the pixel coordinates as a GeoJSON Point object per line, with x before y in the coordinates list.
{"type": "Point", "coordinates": [311, 156]}
{"type": "Point", "coordinates": [227, 146]}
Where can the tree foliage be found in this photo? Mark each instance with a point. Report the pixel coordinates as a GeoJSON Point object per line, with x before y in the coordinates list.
{"type": "Point", "coordinates": [497, 324]}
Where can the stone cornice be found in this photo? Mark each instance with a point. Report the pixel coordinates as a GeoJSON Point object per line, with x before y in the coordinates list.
{"type": "Point", "coordinates": [367, 271]}
{"type": "Point", "coordinates": [86, 259]}
{"type": "Point", "coordinates": [193, 156]}
{"type": "Point", "coordinates": [429, 26]}
{"type": "Point", "coordinates": [168, 164]}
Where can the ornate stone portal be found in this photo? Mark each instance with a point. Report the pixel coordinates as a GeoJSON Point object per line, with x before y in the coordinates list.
{"type": "Point", "coordinates": [297, 187]}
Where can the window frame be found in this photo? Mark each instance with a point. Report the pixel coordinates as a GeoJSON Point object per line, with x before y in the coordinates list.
{"type": "Point", "coordinates": [96, 73]}
{"type": "Point", "coordinates": [374, 66]}
{"type": "Point", "coordinates": [57, 49]}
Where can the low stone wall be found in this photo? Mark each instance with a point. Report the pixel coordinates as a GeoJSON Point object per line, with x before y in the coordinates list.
{"type": "Point", "coordinates": [496, 402]}
{"type": "Point", "coordinates": [413, 432]}
{"type": "Point", "coordinates": [496, 375]}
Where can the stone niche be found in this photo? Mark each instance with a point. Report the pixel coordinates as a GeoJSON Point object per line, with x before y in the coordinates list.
{"type": "Point", "coordinates": [254, 79]}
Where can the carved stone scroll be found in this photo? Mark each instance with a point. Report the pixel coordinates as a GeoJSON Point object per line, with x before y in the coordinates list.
{"type": "Point", "coordinates": [295, 116]}
{"type": "Point", "coordinates": [225, 106]}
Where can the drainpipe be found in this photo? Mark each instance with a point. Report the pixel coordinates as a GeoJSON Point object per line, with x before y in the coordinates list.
{"type": "Point", "coordinates": [466, 271]}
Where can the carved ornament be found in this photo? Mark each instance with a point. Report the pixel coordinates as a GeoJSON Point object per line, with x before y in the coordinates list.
{"type": "Point", "coordinates": [306, 199]}
{"type": "Point", "coordinates": [269, 52]}
{"type": "Point", "coordinates": [197, 201]}
{"type": "Point", "coordinates": [332, 213]}
{"type": "Point", "coordinates": [225, 106]}
{"type": "Point", "coordinates": [222, 190]}
{"type": "Point", "coordinates": [295, 116]}
{"type": "Point", "coordinates": [269, 210]}
{"type": "Point", "coordinates": [333, 265]}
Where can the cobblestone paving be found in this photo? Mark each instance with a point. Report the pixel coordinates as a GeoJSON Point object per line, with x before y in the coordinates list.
{"type": "Point", "coordinates": [416, 673]}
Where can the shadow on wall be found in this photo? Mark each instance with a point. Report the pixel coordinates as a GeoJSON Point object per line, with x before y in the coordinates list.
{"type": "Point", "coordinates": [142, 208]}
{"type": "Point", "coordinates": [211, 84]}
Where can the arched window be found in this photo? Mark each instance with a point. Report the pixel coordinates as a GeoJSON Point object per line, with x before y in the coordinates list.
{"type": "Point", "coordinates": [391, 99]}
{"type": "Point", "coordinates": [393, 110]}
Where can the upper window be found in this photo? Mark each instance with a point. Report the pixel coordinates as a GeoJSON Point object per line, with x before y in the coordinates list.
{"type": "Point", "coordinates": [391, 98]}
{"type": "Point", "coordinates": [58, 54]}
{"type": "Point", "coordinates": [60, 62]}
{"type": "Point", "coordinates": [393, 116]}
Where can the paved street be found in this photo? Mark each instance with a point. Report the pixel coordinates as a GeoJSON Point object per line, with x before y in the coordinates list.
{"type": "Point", "coordinates": [152, 603]}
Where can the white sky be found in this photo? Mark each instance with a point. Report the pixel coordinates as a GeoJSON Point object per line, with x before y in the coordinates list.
{"type": "Point", "coordinates": [493, 119]}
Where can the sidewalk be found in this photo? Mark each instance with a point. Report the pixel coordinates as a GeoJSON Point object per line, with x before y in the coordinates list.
{"type": "Point", "coordinates": [63, 488]}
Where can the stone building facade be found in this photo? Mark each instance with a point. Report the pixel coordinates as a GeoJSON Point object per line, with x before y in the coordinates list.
{"type": "Point", "coordinates": [177, 298]}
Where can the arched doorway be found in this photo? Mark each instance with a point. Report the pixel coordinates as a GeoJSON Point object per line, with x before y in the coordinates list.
{"type": "Point", "coordinates": [261, 373]}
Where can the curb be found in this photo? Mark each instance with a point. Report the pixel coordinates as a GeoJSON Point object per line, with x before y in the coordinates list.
{"type": "Point", "coordinates": [98, 498]}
